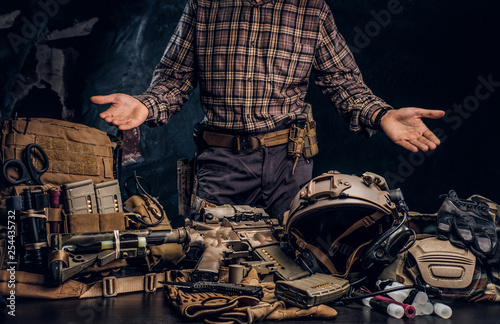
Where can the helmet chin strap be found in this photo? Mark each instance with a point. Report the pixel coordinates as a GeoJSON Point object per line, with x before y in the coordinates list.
{"type": "Point", "coordinates": [366, 221]}
{"type": "Point", "coordinates": [322, 257]}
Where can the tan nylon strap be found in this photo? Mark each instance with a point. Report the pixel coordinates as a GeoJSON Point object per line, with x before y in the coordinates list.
{"type": "Point", "coordinates": [54, 214]}
{"type": "Point", "coordinates": [19, 139]}
{"type": "Point", "coordinates": [59, 255]}
{"type": "Point", "coordinates": [32, 214]}
{"type": "Point", "coordinates": [363, 222]}
{"type": "Point", "coordinates": [353, 258]}
{"type": "Point", "coordinates": [112, 286]}
{"type": "Point", "coordinates": [32, 285]}
{"type": "Point", "coordinates": [317, 253]}
{"type": "Point", "coordinates": [275, 138]}
{"type": "Point", "coordinates": [22, 276]}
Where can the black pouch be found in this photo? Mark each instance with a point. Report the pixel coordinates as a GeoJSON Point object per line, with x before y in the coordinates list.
{"type": "Point", "coordinates": [198, 131]}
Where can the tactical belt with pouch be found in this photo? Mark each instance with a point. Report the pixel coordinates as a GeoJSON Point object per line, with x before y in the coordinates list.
{"type": "Point", "coordinates": [300, 137]}
{"type": "Point", "coordinates": [245, 142]}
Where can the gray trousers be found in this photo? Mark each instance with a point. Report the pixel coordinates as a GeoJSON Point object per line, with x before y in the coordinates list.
{"type": "Point", "coordinates": [262, 178]}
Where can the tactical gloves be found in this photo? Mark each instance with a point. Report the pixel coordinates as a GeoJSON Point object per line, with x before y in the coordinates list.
{"type": "Point", "coordinates": [468, 224]}
{"type": "Point", "coordinates": [215, 308]}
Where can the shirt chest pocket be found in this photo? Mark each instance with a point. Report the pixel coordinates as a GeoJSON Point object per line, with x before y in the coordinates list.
{"type": "Point", "coordinates": [292, 61]}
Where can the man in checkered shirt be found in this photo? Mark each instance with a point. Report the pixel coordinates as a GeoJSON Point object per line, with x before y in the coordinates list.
{"type": "Point", "coordinates": [252, 60]}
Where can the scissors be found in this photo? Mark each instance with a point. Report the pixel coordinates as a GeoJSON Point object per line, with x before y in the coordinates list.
{"type": "Point", "coordinates": [27, 171]}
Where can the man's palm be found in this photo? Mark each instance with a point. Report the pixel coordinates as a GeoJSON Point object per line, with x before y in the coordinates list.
{"type": "Point", "coordinates": [405, 127]}
{"type": "Point", "coordinates": [125, 111]}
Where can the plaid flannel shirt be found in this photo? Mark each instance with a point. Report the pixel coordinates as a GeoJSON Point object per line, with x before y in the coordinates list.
{"type": "Point", "coordinates": [252, 60]}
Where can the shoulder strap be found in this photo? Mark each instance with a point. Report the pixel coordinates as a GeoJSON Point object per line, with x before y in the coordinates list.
{"type": "Point", "coordinates": [32, 285]}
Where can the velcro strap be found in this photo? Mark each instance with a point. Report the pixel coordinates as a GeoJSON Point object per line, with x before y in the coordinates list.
{"type": "Point", "coordinates": [275, 138]}
{"type": "Point", "coordinates": [15, 202]}
{"type": "Point", "coordinates": [112, 286]}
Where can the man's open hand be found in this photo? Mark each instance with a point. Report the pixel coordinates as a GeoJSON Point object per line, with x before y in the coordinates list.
{"type": "Point", "coordinates": [405, 127]}
{"type": "Point", "coordinates": [125, 111]}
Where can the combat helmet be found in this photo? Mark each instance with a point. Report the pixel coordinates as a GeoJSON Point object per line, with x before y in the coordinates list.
{"type": "Point", "coordinates": [335, 217]}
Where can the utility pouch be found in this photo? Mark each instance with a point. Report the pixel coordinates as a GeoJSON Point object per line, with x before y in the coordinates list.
{"type": "Point", "coordinates": [310, 141]}
{"type": "Point", "coordinates": [148, 208]}
{"type": "Point", "coordinates": [198, 130]}
{"type": "Point", "coordinates": [296, 139]}
{"type": "Point", "coordinates": [302, 140]}
{"type": "Point", "coordinates": [151, 214]}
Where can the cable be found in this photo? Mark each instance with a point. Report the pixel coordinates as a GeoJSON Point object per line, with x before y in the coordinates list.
{"type": "Point", "coordinates": [143, 194]}
{"type": "Point", "coordinates": [350, 299]}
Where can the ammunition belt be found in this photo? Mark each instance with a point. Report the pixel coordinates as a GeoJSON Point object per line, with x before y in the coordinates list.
{"type": "Point", "coordinates": [247, 143]}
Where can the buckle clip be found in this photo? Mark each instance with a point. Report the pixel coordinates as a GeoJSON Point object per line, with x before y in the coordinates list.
{"type": "Point", "coordinates": [150, 282]}
{"type": "Point", "coordinates": [109, 287]}
{"type": "Point", "coordinates": [246, 143]}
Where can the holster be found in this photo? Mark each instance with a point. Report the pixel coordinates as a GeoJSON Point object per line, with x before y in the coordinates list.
{"type": "Point", "coordinates": [303, 140]}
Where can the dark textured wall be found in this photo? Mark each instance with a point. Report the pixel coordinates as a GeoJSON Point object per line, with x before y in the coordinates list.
{"type": "Point", "coordinates": [438, 55]}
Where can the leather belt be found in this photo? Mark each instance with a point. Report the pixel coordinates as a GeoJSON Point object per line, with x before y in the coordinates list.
{"type": "Point", "coordinates": [247, 143]}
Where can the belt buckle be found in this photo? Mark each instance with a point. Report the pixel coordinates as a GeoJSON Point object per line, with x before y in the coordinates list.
{"type": "Point", "coordinates": [244, 143]}
{"type": "Point", "coordinates": [109, 287]}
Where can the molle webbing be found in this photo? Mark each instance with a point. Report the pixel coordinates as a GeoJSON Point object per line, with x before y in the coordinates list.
{"type": "Point", "coordinates": [75, 151]}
